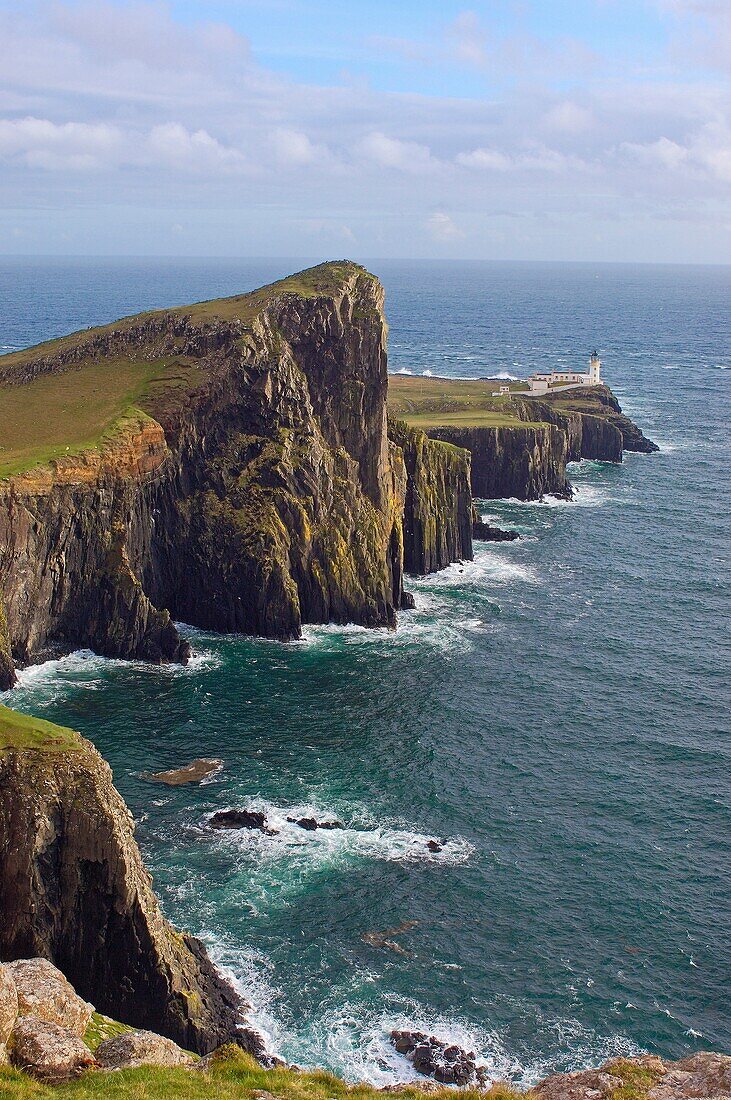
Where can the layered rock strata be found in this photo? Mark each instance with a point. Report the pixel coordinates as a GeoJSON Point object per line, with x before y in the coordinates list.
{"type": "Point", "coordinates": [437, 524]}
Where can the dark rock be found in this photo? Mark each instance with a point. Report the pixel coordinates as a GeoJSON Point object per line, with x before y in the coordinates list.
{"type": "Point", "coordinates": [408, 602]}
{"type": "Point", "coordinates": [260, 494]}
{"type": "Point", "coordinates": [434, 846]}
{"type": "Point", "coordinates": [241, 819]}
{"type": "Point", "coordinates": [485, 532]}
{"type": "Point", "coordinates": [437, 527]}
{"type": "Point", "coordinates": [311, 823]}
{"type": "Point", "coordinates": [446, 1063]}
{"type": "Point", "coordinates": [73, 889]}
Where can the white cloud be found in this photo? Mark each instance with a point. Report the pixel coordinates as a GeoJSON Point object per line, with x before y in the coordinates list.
{"type": "Point", "coordinates": [73, 146]}
{"type": "Point", "coordinates": [569, 118]}
{"type": "Point", "coordinates": [405, 156]}
{"type": "Point", "coordinates": [442, 228]}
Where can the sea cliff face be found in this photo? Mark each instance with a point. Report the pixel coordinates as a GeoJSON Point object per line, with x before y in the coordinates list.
{"type": "Point", "coordinates": [255, 491]}
{"type": "Point", "coordinates": [437, 527]}
{"type": "Point", "coordinates": [522, 461]}
{"type": "Point", "coordinates": [73, 889]}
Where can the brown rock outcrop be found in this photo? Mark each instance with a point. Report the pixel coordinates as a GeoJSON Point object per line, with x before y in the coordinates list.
{"type": "Point", "coordinates": [47, 1051]}
{"type": "Point", "coordinates": [44, 992]}
{"type": "Point", "coordinates": [140, 1048]}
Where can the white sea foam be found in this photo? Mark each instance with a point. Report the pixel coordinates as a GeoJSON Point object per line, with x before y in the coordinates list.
{"type": "Point", "coordinates": [488, 567]}
{"type": "Point", "coordinates": [362, 838]}
{"type": "Point", "coordinates": [85, 670]}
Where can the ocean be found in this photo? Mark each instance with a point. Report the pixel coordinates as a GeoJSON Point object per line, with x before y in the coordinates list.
{"type": "Point", "coordinates": [557, 712]}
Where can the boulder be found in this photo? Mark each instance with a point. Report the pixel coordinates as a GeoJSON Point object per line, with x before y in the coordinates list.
{"type": "Point", "coordinates": [8, 1004]}
{"type": "Point", "coordinates": [47, 1051]}
{"type": "Point", "coordinates": [140, 1048]}
{"type": "Point", "coordinates": [702, 1074]}
{"type": "Point", "coordinates": [241, 819]}
{"type": "Point", "coordinates": [447, 1063]}
{"type": "Point", "coordinates": [190, 773]}
{"type": "Point", "coordinates": [44, 992]}
{"type": "Point", "coordinates": [408, 601]}
{"type": "Point", "coordinates": [434, 845]}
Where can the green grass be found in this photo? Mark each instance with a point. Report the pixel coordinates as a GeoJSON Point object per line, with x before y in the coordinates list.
{"type": "Point", "coordinates": [79, 408]}
{"type": "Point", "coordinates": [59, 415]}
{"type": "Point", "coordinates": [22, 731]}
{"type": "Point", "coordinates": [440, 403]}
{"type": "Point", "coordinates": [101, 1028]}
{"type": "Point", "coordinates": [233, 1076]}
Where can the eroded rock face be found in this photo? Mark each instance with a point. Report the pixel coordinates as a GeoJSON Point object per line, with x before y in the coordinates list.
{"type": "Point", "coordinates": [267, 498]}
{"type": "Point", "coordinates": [140, 1048]}
{"type": "Point", "coordinates": [47, 1051]}
{"type": "Point", "coordinates": [525, 462]}
{"type": "Point", "coordinates": [701, 1075]}
{"type": "Point", "coordinates": [437, 527]}
{"type": "Point", "coordinates": [8, 1004]}
{"type": "Point", "coordinates": [45, 993]}
{"type": "Point", "coordinates": [73, 889]}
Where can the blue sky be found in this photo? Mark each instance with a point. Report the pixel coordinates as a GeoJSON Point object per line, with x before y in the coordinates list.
{"type": "Point", "coordinates": [514, 129]}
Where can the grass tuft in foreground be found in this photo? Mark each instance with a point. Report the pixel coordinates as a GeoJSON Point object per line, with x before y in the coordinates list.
{"type": "Point", "coordinates": [232, 1075]}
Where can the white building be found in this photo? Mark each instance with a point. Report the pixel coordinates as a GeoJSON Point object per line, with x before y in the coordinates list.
{"type": "Point", "coordinates": [541, 383]}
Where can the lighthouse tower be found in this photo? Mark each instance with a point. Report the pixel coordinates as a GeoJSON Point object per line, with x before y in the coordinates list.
{"type": "Point", "coordinates": [595, 367]}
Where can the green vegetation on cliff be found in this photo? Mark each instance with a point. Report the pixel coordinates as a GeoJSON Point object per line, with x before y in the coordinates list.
{"type": "Point", "coordinates": [440, 402]}
{"type": "Point", "coordinates": [22, 731]}
{"type": "Point", "coordinates": [231, 1075]}
{"type": "Point", "coordinates": [81, 403]}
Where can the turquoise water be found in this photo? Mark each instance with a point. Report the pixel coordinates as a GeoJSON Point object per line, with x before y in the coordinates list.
{"type": "Point", "coordinates": [556, 711]}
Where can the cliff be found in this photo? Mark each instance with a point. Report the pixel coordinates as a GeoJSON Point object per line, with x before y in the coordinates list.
{"type": "Point", "coordinates": [520, 445]}
{"type": "Point", "coordinates": [522, 461]}
{"type": "Point", "coordinates": [249, 485]}
{"type": "Point", "coordinates": [437, 525]}
{"type": "Point", "coordinates": [74, 890]}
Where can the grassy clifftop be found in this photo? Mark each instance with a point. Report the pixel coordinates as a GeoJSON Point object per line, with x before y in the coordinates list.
{"type": "Point", "coordinates": [78, 406]}
{"type": "Point", "coordinates": [446, 402]}
{"type": "Point", "coordinates": [21, 731]}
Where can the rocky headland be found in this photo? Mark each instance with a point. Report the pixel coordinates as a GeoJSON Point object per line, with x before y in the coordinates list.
{"type": "Point", "coordinates": [233, 465]}
{"type": "Point", "coordinates": [519, 445]}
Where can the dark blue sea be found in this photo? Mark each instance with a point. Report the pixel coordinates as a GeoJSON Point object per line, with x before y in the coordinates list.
{"type": "Point", "coordinates": [557, 711]}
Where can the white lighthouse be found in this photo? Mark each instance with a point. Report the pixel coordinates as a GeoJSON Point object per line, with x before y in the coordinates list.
{"type": "Point", "coordinates": [595, 368]}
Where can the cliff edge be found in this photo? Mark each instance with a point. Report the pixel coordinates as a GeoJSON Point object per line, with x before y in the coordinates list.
{"type": "Point", "coordinates": [74, 890]}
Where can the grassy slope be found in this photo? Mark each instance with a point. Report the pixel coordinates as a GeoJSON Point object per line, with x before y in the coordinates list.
{"type": "Point", "coordinates": [72, 411]}
{"type": "Point", "coordinates": [439, 402]}
{"type": "Point", "coordinates": [22, 731]}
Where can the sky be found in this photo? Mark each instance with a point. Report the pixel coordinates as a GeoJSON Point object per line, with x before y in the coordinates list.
{"type": "Point", "coordinates": [591, 130]}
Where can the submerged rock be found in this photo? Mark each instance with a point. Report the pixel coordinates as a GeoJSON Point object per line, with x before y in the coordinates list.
{"type": "Point", "coordinates": [48, 1051]}
{"type": "Point", "coordinates": [311, 823]}
{"type": "Point", "coordinates": [44, 992]}
{"type": "Point", "coordinates": [140, 1048]}
{"type": "Point", "coordinates": [447, 1063]}
{"type": "Point", "coordinates": [386, 939]}
{"type": "Point", "coordinates": [190, 773]}
{"type": "Point", "coordinates": [241, 819]}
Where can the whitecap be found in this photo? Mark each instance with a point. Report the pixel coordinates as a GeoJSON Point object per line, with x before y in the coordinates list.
{"type": "Point", "coordinates": [361, 839]}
